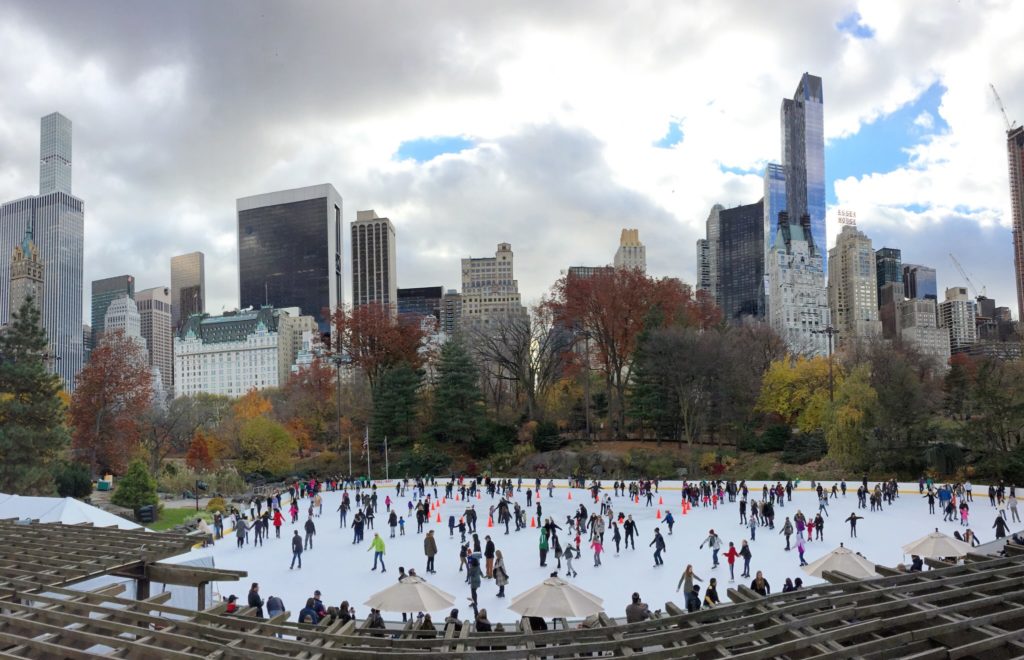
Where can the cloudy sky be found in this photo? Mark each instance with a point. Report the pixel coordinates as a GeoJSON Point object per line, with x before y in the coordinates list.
{"type": "Point", "coordinates": [548, 125]}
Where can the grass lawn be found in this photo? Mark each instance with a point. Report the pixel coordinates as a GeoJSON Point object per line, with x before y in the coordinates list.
{"type": "Point", "coordinates": [172, 517]}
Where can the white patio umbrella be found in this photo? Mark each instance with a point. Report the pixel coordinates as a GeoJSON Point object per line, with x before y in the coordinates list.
{"type": "Point", "coordinates": [842, 559]}
{"type": "Point", "coordinates": [554, 597]}
{"type": "Point", "coordinates": [411, 594]}
{"type": "Point", "coordinates": [937, 544]}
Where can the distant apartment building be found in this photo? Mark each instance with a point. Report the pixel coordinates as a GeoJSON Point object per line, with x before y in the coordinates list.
{"type": "Point", "coordinates": [1015, 152]}
{"type": "Point", "coordinates": [888, 267]}
{"type": "Point", "coordinates": [957, 316]}
{"type": "Point", "coordinates": [188, 286]}
{"type": "Point", "coordinates": [451, 312]}
{"type": "Point", "coordinates": [704, 265]}
{"type": "Point", "coordinates": [154, 307]}
{"type": "Point", "coordinates": [295, 334]}
{"type": "Point", "coordinates": [711, 229]}
{"type": "Point", "coordinates": [490, 292]}
{"type": "Point", "coordinates": [853, 286]}
{"type": "Point", "coordinates": [632, 254]}
{"type": "Point", "coordinates": [918, 328]}
{"type": "Point", "coordinates": [374, 275]}
{"type": "Point", "coordinates": [104, 292]}
{"type": "Point", "coordinates": [421, 301]}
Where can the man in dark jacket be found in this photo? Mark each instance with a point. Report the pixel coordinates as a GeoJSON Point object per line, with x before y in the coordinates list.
{"type": "Point", "coordinates": [296, 550]}
{"type": "Point", "coordinates": [430, 549]}
{"type": "Point", "coordinates": [255, 600]}
{"type": "Point", "coordinates": [489, 556]}
{"type": "Point", "coordinates": [310, 533]}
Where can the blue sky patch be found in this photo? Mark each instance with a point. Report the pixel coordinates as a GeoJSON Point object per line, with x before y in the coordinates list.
{"type": "Point", "coordinates": [741, 170]}
{"type": "Point", "coordinates": [880, 146]}
{"type": "Point", "coordinates": [423, 149]}
{"type": "Point", "coordinates": [673, 136]}
{"type": "Point", "coordinates": [852, 25]}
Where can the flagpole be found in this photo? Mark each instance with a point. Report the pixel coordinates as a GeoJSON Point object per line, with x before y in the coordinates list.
{"type": "Point", "coordinates": [350, 457]}
{"type": "Point", "coordinates": [367, 445]}
{"type": "Point", "coordinates": [387, 469]}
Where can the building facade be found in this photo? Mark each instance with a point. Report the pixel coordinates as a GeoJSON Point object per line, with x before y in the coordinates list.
{"type": "Point", "coordinates": [799, 310]}
{"type": "Point", "coordinates": [853, 286]}
{"type": "Point", "coordinates": [632, 254]}
{"type": "Point", "coordinates": [421, 301]}
{"type": "Point", "coordinates": [741, 262]}
{"type": "Point", "coordinates": [957, 316]}
{"type": "Point", "coordinates": [56, 219]}
{"type": "Point", "coordinates": [154, 307]}
{"type": "Point", "coordinates": [289, 251]}
{"type": "Point", "coordinates": [122, 315]}
{"type": "Point", "coordinates": [1015, 151]}
{"type": "Point", "coordinates": [227, 355]}
{"type": "Point", "coordinates": [188, 286]}
{"type": "Point", "coordinates": [295, 332]}
{"type": "Point", "coordinates": [920, 282]}
{"type": "Point", "coordinates": [803, 157]}
{"type": "Point", "coordinates": [26, 276]}
{"type": "Point", "coordinates": [104, 292]}
{"type": "Point", "coordinates": [703, 265]}
{"type": "Point", "coordinates": [451, 312]}
{"type": "Point", "coordinates": [711, 229]}
{"type": "Point", "coordinates": [918, 328]}
{"type": "Point", "coordinates": [490, 291]}
{"type": "Point", "coordinates": [890, 297]}
{"type": "Point", "coordinates": [374, 275]}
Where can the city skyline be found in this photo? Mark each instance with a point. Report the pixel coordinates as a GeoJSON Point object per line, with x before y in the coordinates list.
{"type": "Point", "coordinates": [914, 142]}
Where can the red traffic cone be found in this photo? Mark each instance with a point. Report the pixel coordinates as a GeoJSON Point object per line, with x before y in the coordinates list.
{"type": "Point", "coordinates": [637, 499]}
{"type": "Point", "coordinates": [439, 517]}
{"type": "Point", "coordinates": [661, 501]}
{"type": "Point", "coordinates": [490, 522]}
{"type": "Point", "coordinates": [444, 500]}
{"type": "Point", "coordinates": [533, 522]}
{"type": "Point", "coordinates": [456, 498]}
{"type": "Point", "coordinates": [658, 514]}
{"type": "Point", "coordinates": [570, 494]}
{"type": "Point", "coordinates": [477, 494]}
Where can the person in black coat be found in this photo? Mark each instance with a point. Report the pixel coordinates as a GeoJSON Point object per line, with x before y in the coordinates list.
{"type": "Point", "coordinates": [255, 600]}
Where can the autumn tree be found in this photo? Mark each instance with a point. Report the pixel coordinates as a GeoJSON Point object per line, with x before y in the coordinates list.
{"type": "Point", "coordinates": [200, 453]}
{"type": "Point", "coordinates": [32, 430]}
{"type": "Point", "coordinates": [112, 397]}
{"type": "Point", "coordinates": [609, 309]}
{"type": "Point", "coordinates": [307, 400]}
{"type": "Point", "coordinates": [374, 339]}
{"type": "Point", "coordinates": [266, 447]}
{"type": "Point", "coordinates": [796, 391]}
{"type": "Point", "coordinates": [849, 421]}
{"type": "Point", "coordinates": [167, 430]}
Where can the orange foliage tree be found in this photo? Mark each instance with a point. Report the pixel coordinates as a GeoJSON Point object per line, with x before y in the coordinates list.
{"type": "Point", "coordinates": [112, 395]}
{"type": "Point", "coordinates": [308, 403]}
{"type": "Point", "coordinates": [200, 453]}
{"type": "Point", "coordinates": [608, 311]}
{"type": "Point", "coordinates": [374, 340]}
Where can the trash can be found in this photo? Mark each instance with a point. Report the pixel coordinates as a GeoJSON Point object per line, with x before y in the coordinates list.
{"type": "Point", "coordinates": [146, 514]}
{"type": "Point", "coordinates": [102, 484]}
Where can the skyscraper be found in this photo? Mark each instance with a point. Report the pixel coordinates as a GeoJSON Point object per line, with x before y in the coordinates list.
{"type": "Point", "coordinates": [888, 267]}
{"type": "Point", "coordinates": [794, 205]}
{"type": "Point", "coordinates": [421, 301]}
{"type": "Point", "coordinates": [957, 315]}
{"type": "Point", "coordinates": [289, 251]}
{"type": "Point", "coordinates": [919, 282]}
{"type": "Point", "coordinates": [711, 228]}
{"type": "Point", "coordinates": [57, 222]}
{"type": "Point", "coordinates": [489, 291]}
{"type": "Point", "coordinates": [374, 276]}
{"type": "Point", "coordinates": [703, 265]}
{"type": "Point", "coordinates": [104, 292]}
{"type": "Point", "coordinates": [741, 262]}
{"type": "Point", "coordinates": [1015, 149]}
{"type": "Point", "coordinates": [632, 253]}
{"type": "Point", "coordinates": [188, 286]}
{"type": "Point", "coordinates": [803, 157]}
{"type": "Point", "coordinates": [26, 276]}
{"type": "Point", "coordinates": [154, 306]}
{"type": "Point", "coordinates": [853, 286]}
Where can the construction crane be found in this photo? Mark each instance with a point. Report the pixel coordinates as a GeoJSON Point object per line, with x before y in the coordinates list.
{"type": "Point", "coordinates": [1009, 125]}
{"type": "Point", "coordinates": [964, 275]}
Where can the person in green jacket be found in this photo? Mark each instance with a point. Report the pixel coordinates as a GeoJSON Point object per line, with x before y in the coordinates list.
{"type": "Point", "coordinates": [377, 545]}
{"type": "Point", "coordinates": [543, 546]}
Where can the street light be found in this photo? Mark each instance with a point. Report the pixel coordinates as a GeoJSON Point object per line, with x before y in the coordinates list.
{"type": "Point", "coordinates": [830, 332]}
{"type": "Point", "coordinates": [586, 378]}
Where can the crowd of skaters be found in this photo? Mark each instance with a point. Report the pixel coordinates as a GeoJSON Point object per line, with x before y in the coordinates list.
{"type": "Point", "coordinates": [480, 559]}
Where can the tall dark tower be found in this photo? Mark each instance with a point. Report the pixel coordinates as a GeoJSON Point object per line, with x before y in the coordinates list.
{"type": "Point", "coordinates": [1015, 147]}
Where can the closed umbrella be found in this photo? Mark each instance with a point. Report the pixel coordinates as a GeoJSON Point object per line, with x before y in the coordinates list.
{"type": "Point", "coordinates": [411, 594]}
{"type": "Point", "coordinates": [937, 544]}
{"type": "Point", "coordinates": [555, 597]}
{"type": "Point", "coordinates": [844, 560]}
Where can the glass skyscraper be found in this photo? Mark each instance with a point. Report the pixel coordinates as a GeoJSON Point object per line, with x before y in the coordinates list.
{"type": "Point", "coordinates": [289, 251]}
{"type": "Point", "coordinates": [888, 267]}
{"type": "Point", "coordinates": [803, 157]}
{"type": "Point", "coordinates": [741, 261]}
{"type": "Point", "coordinates": [919, 282]}
{"type": "Point", "coordinates": [57, 219]}
{"type": "Point", "coordinates": [188, 287]}
{"type": "Point", "coordinates": [104, 292]}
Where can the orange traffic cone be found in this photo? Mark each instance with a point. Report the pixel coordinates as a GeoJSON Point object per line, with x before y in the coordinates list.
{"type": "Point", "coordinates": [456, 498]}
{"type": "Point", "coordinates": [684, 510]}
{"type": "Point", "coordinates": [490, 522]}
{"type": "Point", "coordinates": [638, 499]}
{"type": "Point", "coordinates": [658, 514]}
{"type": "Point", "coordinates": [477, 494]}
{"type": "Point", "coordinates": [661, 501]}
{"type": "Point", "coordinates": [444, 500]}
{"type": "Point", "coordinates": [533, 522]}
{"type": "Point", "coordinates": [439, 517]}
{"type": "Point", "coordinates": [570, 494]}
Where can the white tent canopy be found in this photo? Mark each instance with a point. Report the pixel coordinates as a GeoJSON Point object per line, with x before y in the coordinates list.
{"type": "Point", "coordinates": [554, 597]}
{"type": "Point", "coordinates": [65, 510]}
{"type": "Point", "coordinates": [844, 560]}
{"type": "Point", "coordinates": [937, 544]}
{"type": "Point", "coordinates": [411, 594]}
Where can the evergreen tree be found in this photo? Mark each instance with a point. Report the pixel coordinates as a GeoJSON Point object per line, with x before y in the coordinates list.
{"type": "Point", "coordinates": [458, 403]}
{"type": "Point", "coordinates": [136, 488]}
{"type": "Point", "coordinates": [394, 404]}
{"type": "Point", "coordinates": [32, 431]}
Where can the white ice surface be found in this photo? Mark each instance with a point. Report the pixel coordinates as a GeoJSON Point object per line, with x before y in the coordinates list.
{"type": "Point", "coordinates": [341, 570]}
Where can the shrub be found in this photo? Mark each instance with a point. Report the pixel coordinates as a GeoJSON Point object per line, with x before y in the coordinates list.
{"type": "Point", "coordinates": [216, 504]}
{"type": "Point", "coordinates": [774, 439]}
{"type": "Point", "coordinates": [72, 479]}
{"type": "Point", "coordinates": [749, 441]}
{"type": "Point", "coordinates": [136, 488]}
{"type": "Point", "coordinates": [779, 475]}
{"type": "Point", "coordinates": [424, 457]}
{"type": "Point", "coordinates": [804, 448]}
{"type": "Point", "coordinates": [548, 437]}
{"type": "Point", "coordinates": [708, 461]}
{"type": "Point", "coordinates": [759, 475]}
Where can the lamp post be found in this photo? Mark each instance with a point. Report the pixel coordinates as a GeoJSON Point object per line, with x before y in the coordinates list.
{"type": "Point", "coordinates": [586, 378]}
{"type": "Point", "coordinates": [830, 332]}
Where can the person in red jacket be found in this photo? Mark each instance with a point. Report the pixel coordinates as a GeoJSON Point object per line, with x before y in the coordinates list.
{"type": "Point", "coordinates": [731, 556]}
{"type": "Point", "coordinates": [278, 521]}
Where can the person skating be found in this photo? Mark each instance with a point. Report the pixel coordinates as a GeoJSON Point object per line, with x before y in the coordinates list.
{"type": "Point", "coordinates": [853, 524]}
{"type": "Point", "coordinates": [596, 546]}
{"type": "Point", "coordinates": [430, 550]}
{"type": "Point", "coordinates": [1000, 526]}
{"type": "Point", "coordinates": [686, 580]}
{"type": "Point", "coordinates": [616, 537]}
{"type": "Point", "coordinates": [746, 554]}
{"type": "Point", "coordinates": [310, 533]}
{"type": "Point", "coordinates": [715, 543]}
{"type": "Point", "coordinates": [568, 556]}
{"type": "Point", "coordinates": [296, 550]}
{"type": "Point", "coordinates": [543, 546]}
{"type": "Point", "coordinates": [489, 557]}
{"type": "Point", "coordinates": [500, 573]}
{"type": "Point", "coordinates": [730, 557]}
{"type": "Point", "coordinates": [787, 531]}
{"type": "Point", "coordinates": [670, 521]}
{"type": "Point", "coordinates": [800, 551]}
{"type": "Point", "coordinates": [377, 545]}
{"type": "Point", "coordinates": [631, 530]}
{"type": "Point", "coordinates": [473, 573]}
{"type": "Point", "coordinates": [659, 547]}
{"type": "Point", "coordinates": [760, 585]}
